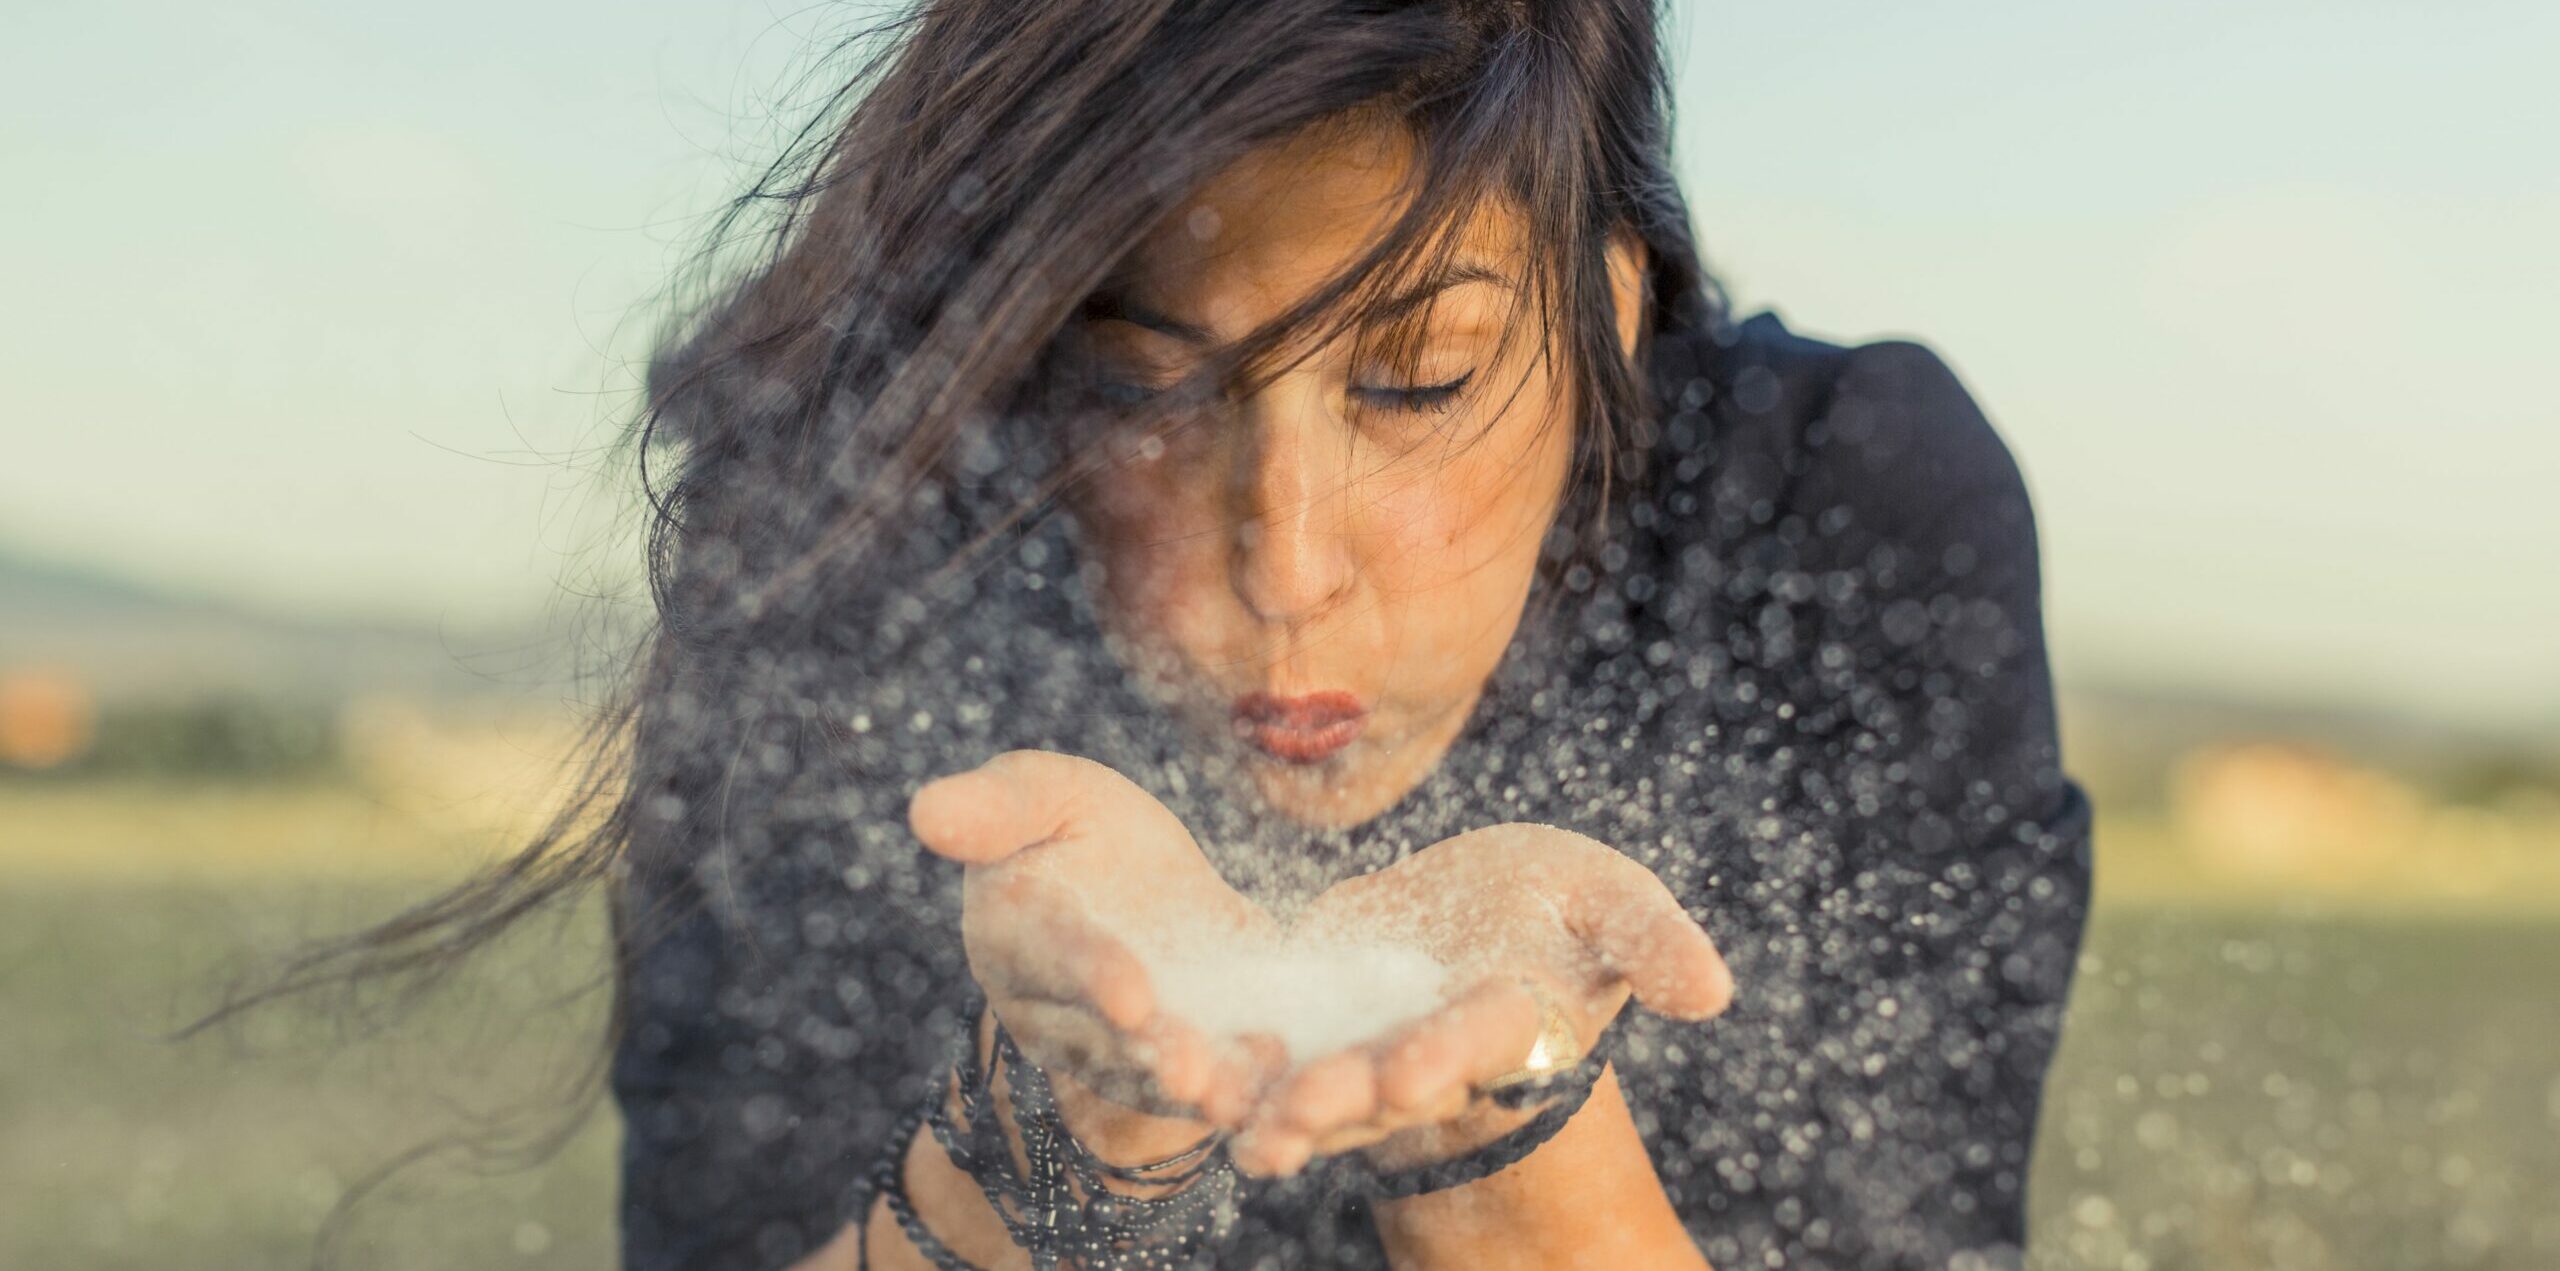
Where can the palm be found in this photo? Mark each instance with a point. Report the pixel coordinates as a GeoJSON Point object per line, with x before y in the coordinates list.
{"type": "Point", "coordinates": [1501, 907]}
{"type": "Point", "coordinates": [1525, 900]}
{"type": "Point", "coordinates": [1074, 871]}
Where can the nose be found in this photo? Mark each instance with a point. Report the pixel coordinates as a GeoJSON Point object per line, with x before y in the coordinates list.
{"type": "Point", "coordinates": [1292, 560]}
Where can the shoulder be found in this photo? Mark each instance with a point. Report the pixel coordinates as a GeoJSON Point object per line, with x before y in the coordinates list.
{"type": "Point", "coordinates": [1862, 443]}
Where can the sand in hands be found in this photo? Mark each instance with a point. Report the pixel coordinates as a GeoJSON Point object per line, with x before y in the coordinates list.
{"type": "Point", "coordinates": [1317, 996]}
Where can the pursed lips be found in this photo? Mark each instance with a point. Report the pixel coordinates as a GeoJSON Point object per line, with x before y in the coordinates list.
{"type": "Point", "coordinates": [1305, 729]}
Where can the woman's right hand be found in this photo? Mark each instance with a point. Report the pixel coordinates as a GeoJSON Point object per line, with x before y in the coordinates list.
{"type": "Point", "coordinates": [1070, 867]}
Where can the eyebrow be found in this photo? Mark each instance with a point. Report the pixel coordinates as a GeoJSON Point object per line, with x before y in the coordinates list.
{"type": "Point", "coordinates": [1113, 304]}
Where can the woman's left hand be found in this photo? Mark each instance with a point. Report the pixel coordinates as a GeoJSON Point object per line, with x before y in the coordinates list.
{"type": "Point", "coordinates": [1503, 907]}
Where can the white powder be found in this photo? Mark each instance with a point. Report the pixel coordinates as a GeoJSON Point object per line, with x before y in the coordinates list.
{"type": "Point", "coordinates": [1317, 998]}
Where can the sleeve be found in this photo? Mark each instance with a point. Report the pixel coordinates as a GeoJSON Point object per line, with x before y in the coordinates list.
{"type": "Point", "coordinates": [766, 1051]}
{"type": "Point", "coordinates": [1917, 899]}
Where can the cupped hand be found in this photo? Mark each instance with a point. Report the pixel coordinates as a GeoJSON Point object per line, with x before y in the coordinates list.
{"type": "Point", "coordinates": [1503, 907]}
{"type": "Point", "coordinates": [1071, 869]}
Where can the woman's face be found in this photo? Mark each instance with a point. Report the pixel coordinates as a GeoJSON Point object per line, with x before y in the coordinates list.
{"type": "Point", "coordinates": [1320, 577]}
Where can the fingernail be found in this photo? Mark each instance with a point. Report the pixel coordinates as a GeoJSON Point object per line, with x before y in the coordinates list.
{"type": "Point", "coordinates": [1245, 1149]}
{"type": "Point", "coordinates": [1291, 1157]}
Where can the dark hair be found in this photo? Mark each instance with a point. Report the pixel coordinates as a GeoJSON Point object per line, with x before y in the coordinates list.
{"type": "Point", "coordinates": [848, 429]}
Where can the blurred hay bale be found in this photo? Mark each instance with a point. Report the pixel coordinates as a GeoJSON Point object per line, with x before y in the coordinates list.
{"type": "Point", "coordinates": [2291, 811]}
{"type": "Point", "coordinates": [47, 717]}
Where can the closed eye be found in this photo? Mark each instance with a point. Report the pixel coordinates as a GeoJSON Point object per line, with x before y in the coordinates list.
{"type": "Point", "coordinates": [1416, 397]}
{"type": "Point", "coordinates": [1124, 393]}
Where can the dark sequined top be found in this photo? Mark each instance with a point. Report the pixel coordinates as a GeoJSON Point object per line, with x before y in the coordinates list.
{"type": "Point", "coordinates": [1805, 682]}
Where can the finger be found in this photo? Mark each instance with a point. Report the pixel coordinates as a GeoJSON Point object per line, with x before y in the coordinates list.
{"type": "Point", "coordinates": [1228, 1097]}
{"type": "Point", "coordinates": [1177, 1056]}
{"type": "Point", "coordinates": [1338, 1090]}
{"type": "Point", "coordinates": [1480, 1036]}
{"type": "Point", "coordinates": [1639, 931]}
{"type": "Point", "coordinates": [1388, 1123]}
{"type": "Point", "coordinates": [1013, 801]}
{"type": "Point", "coordinates": [1329, 1094]}
{"type": "Point", "coordinates": [1270, 1153]}
{"type": "Point", "coordinates": [1353, 1138]}
{"type": "Point", "coordinates": [1248, 1066]}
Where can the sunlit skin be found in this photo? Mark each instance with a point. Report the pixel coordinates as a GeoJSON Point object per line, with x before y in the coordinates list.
{"type": "Point", "coordinates": [1333, 534]}
{"type": "Point", "coordinates": [1351, 527]}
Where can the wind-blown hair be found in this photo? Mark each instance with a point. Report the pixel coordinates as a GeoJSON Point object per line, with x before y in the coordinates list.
{"type": "Point", "coordinates": [863, 429]}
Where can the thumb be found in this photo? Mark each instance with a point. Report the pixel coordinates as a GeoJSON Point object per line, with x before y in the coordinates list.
{"type": "Point", "coordinates": [1018, 799]}
{"type": "Point", "coordinates": [1640, 932]}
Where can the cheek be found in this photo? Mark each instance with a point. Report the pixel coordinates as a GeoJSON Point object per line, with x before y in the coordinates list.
{"type": "Point", "coordinates": [1470, 522]}
{"type": "Point", "coordinates": [1451, 555]}
{"type": "Point", "coordinates": [1158, 542]}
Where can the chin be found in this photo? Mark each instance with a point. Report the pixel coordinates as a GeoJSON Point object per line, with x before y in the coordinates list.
{"type": "Point", "coordinates": [1326, 794]}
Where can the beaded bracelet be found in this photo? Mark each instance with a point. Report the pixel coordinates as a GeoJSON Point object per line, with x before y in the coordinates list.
{"type": "Point", "coordinates": [1054, 1204]}
{"type": "Point", "coordinates": [1572, 1088]}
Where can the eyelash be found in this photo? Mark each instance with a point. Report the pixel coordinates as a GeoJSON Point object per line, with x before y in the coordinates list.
{"type": "Point", "coordinates": [1122, 393]}
{"type": "Point", "coordinates": [1433, 398]}
{"type": "Point", "coordinates": [1420, 397]}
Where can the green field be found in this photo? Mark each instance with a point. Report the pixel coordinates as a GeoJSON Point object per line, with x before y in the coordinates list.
{"type": "Point", "coordinates": [119, 1149]}
{"type": "Point", "coordinates": [2240, 1088]}
{"type": "Point", "coordinates": [2251, 1090]}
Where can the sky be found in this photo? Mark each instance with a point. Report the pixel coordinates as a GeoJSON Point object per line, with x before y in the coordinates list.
{"type": "Point", "coordinates": [333, 306]}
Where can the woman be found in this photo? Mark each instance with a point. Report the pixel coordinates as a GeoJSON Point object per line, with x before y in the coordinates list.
{"type": "Point", "coordinates": [1289, 462]}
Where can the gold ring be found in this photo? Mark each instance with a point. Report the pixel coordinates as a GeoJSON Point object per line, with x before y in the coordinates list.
{"type": "Point", "coordinates": [1557, 1048]}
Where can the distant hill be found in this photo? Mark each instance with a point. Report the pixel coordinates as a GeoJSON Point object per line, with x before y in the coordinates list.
{"type": "Point", "coordinates": [131, 640]}
{"type": "Point", "coordinates": [2125, 736]}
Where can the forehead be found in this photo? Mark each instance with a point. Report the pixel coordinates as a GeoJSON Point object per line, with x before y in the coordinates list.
{"type": "Point", "coordinates": [1283, 219]}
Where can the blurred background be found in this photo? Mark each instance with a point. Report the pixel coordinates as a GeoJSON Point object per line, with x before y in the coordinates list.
{"type": "Point", "coordinates": [321, 325]}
